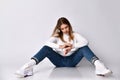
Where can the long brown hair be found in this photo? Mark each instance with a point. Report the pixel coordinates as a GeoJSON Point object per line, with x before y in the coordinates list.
{"type": "Point", "coordinates": [57, 31]}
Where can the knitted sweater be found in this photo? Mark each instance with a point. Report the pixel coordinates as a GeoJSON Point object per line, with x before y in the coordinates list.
{"type": "Point", "coordinates": [78, 42]}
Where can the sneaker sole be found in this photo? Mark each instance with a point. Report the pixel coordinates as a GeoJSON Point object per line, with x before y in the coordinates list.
{"type": "Point", "coordinates": [108, 73]}
{"type": "Point", "coordinates": [19, 76]}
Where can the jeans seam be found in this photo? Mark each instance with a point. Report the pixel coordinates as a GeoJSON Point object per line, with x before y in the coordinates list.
{"type": "Point", "coordinates": [94, 59]}
{"type": "Point", "coordinates": [37, 61]}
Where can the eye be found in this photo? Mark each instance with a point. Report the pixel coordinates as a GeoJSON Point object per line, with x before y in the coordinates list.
{"type": "Point", "coordinates": [62, 28]}
{"type": "Point", "coordinates": [66, 27]}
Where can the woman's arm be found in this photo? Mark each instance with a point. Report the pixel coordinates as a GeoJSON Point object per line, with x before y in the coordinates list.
{"type": "Point", "coordinates": [52, 42]}
{"type": "Point", "coordinates": [80, 41]}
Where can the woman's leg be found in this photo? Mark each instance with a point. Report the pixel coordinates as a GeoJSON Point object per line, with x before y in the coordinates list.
{"type": "Point", "coordinates": [80, 53]}
{"type": "Point", "coordinates": [91, 57]}
{"type": "Point", "coordinates": [48, 52]}
{"type": "Point", "coordinates": [74, 59]}
{"type": "Point", "coordinates": [27, 69]}
{"type": "Point", "coordinates": [88, 54]}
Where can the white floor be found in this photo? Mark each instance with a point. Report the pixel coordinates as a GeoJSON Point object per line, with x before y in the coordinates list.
{"type": "Point", "coordinates": [45, 71]}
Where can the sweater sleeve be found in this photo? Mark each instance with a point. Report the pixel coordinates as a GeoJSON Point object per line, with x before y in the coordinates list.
{"type": "Point", "coordinates": [80, 41]}
{"type": "Point", "coordinates": [52, 42]}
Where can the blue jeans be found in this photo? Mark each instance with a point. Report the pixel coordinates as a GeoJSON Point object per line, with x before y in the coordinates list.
{"type": "Point", "coordinates": [65, 61]}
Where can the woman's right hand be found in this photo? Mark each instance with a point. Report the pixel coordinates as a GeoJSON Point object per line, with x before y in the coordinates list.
{"type": "Point", "coordinates": [62, 46]}
{"type": "Point", "coordinates": [68, 44]}
{"type": "Point", "coordinates": [65, 45]}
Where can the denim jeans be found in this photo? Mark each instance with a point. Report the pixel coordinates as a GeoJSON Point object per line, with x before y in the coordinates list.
{"type": "Point", "coordinates": [65, 61]}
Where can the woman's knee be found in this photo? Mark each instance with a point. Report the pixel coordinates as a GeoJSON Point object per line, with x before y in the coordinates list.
{"type": "Point", "coordinates": [46, 47]}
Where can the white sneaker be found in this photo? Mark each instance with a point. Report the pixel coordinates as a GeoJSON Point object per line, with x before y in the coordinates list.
{"type": "Point", "coordinates": [101, 70]}
{"type": "Point", "coordinates": [24, 72]}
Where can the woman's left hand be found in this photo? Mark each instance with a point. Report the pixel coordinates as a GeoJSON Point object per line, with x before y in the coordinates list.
{"type": "Point", "coordinates": [67, 49]}
{"type": "Point", "coordinates": [68, 44]}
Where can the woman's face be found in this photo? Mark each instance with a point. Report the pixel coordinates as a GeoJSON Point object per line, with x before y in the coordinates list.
{"type": "Point", "coordinates": [64, 28]}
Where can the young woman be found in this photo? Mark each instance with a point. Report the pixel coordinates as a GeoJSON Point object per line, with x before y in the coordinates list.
{"type": "Point", "coordinates": [65, 48]}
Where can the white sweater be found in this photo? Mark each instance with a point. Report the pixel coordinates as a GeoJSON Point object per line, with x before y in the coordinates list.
{"type": "Point", "coordinates": [78, 42]}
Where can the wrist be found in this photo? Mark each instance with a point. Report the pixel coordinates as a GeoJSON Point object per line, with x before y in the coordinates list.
{"type": "Point", "coordinates": [61, 46]}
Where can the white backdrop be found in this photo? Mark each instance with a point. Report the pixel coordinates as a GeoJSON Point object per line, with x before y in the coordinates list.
{"type": "Point", "coordinates": [26, 24]}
